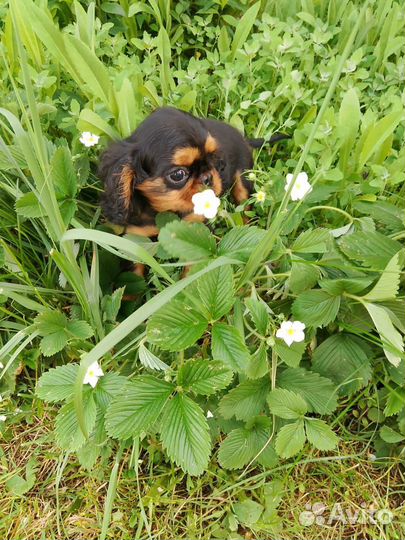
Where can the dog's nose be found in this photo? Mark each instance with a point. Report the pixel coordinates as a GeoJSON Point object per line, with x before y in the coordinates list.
{"type": "Point", "coordinates": [206, 179]}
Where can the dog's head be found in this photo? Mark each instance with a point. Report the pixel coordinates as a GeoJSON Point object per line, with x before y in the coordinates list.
{"type": "Point", "coordinates": [169, 158]}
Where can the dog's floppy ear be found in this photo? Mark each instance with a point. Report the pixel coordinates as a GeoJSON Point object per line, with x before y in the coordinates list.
{"type": "Point", "coordinates": [120, 167]}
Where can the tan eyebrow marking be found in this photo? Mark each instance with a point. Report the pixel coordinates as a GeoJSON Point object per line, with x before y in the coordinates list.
{"type": "Point", "coordinates": [211, 144]}
{"type": "Point", "coordinates": [186, 156]}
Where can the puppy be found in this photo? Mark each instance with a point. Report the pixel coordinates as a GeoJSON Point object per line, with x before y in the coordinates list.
{"type": "Point", "coordinates": [171, 156]}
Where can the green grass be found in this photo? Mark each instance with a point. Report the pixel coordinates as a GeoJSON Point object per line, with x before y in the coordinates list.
{"type": "Point", "coordinates": [330, 74]}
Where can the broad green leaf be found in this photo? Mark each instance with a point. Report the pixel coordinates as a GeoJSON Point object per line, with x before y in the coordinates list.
{"type": "Point", "coordinates": [91, 121]}
{"type": "Point", "coordinates": [216, 291]}
{"type": "Point", "coordinates": [204, 377]}
{"type": "Point", "coordinates": [50, 321]}
{"type": "Point", "coordinates": [150, 360]}
{"type": "Point", "coordinates": [79, 329]}
{"type": "Point", "coordinates": [392, 342]}
{"type": "Point", "coordinates": [187, 241]}
{"type": "Point", "coordinates": [243, 29]}
{"type": "Point", "coordinates": [290, 355]}
{"type": "Point", "coordinates": [108, 387]}
{"type": "Point", "coordinates": [237, 449]}
{"type": "Point", "coordinates": [389, 214]}
{"type": "Point", "coordinates": [303, 276]}
{"type": "Point", "coordinates": [18, 485]}
{"type": "Point", "coordinates": [28, 206]}
{"type": "Point", "coordinates": [68, 434]}
{"type": "Point", "coordinates": [290, 439]}
{"type": "Point", "coordinates": [248, 511]}
{"type": "Point", "coordinates": [316, 307]}
{"type": "Point", "coordinates": [387, 286]}
{"type": "Point", "coordinates": [138, 407]}
{"type": "Point", "coordinates": [371, 248]}
{"type": "Point", "coordinates": [320, 435]}
{"type": "Point", "coordinates": [340, 286]}
{"type": "Point", "coordinates": [395, 401]}
{"type": "Point", "coordinates": [246, 400]}
{"type": "Point", "coordinates": [319, 392]}
{"type": "Point", "coordinates": [258, 365]}
{"type": "Point", "coordinates": [344, 359]}
{"type": "Point", "coordinates": [57, 384]}
{"type": "Point", "coordinates": [53, 343]}
{"type": "Point", "coordinates": [111, 303]}
{"type": "Point", "coordinates": [315, 241]}
{"type": "Point", "coordinates": [260, 314]}
{"type": "Point", "coordinates": [391, 436]}
{"type": "Point", "coordinates": [286, 404]}
{"type": "Point", "coordinates": [377, 135]}
{"type": "Point", "coordinates": [185, 434]}
{"type": "Point", "coordinates": [239, 242]}
{"type": "Point", "coordinates": [63, 173]}
{"type": "Point", "coordinates": [228, 347]}
{"type": "Point", "coordinates": [176, 326]}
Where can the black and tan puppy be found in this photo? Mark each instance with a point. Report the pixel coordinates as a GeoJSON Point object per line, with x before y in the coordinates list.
{"type": "Point", "coordinates": [170, 157]}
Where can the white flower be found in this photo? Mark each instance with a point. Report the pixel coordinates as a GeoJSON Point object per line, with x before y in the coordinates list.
{"type": "Point", "coordinates": [260, 196]}
{"type": "Point", "coordinates": [291, 331]}
{"type": "Point", "coordinates": [1, 365]}
{"type": "Point", "coordinates": [209, 414]}
{"type": "Point", "coordinates": [93, 373]}
{"type": "Point", "coordinates": [301, 186]}
{"type": "Point", "coordinates": [89, 139]}
{"type": "Point", "coordinates": [206, 203]}
{"type": "Point", "coordinates": [3, 417]}
{"type": "Point", "coordinates": [252, 176]}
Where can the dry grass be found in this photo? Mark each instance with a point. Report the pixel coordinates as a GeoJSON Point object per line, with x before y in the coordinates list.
{"type": "Point", "coordinates": [197, 508]}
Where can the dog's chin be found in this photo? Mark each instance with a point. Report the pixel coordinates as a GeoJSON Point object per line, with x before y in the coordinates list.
{"type": "Point", "coordinates": [163, 199]}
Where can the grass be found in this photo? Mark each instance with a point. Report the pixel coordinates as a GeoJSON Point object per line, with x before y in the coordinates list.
{"type": "Point", "coordinates": [329, 73]}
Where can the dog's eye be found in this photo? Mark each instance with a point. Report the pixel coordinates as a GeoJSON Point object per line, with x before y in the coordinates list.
{"type": "Point", "coordinates": [178, 175]}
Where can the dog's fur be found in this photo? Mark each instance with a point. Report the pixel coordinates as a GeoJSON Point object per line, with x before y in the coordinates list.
{"type": "Point", "coordinates": [141, 173]}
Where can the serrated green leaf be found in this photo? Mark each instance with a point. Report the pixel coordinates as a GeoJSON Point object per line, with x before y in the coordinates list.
{"type": "Point", "coordinates": [260, 314]}
{"type": "Point", "coordinates": [246, 400]}
{"type": "Point", "coordinates": [243, 29]}
{"type": "Point", "coordinates": [68, 433]}
{"type": "Point", "coordinates": [63, 173]}
{"type": "Point", "coordinates": [290, 355]}
{"type": "Point", "coordinates": [216, 291]}
{"type": "Point", "coordinates": [138, 407]}
{"type": "Point", "coordinates": [392, 342]}
{"type": "Point", "coordinates": [228, 347]}
{"type": "Point", "coordinates": [258, 365]}
{"type": "Point", "coordinates": [371, 248]}
{"type": "Point", "coordinates": [50, 321]}
{"type": "Point", "coordinates": [340, 286]}
{"type": "Point", "coordinates": [395, 401]}
{"type": "Point", "coordinates": [344, 359]}
{"type": "Point", "coordinates": [28, 206]}
{"type": "Point", "coordinates": [176, 326]}
{"type": "Point", "coordinates": [185, 434]}
{"type": "Point", "coordinates": [57, 384]}
{"type": "Point", "coordinates": [391, 436]}
{"type": "Point", "coordinates": [387, 286]}
{"type": "Point", "coordinates": [316, 241]}
{"type": "Point", "coordinates": [150, 360]}
{"type": "Point", "coordinates": [319, 392]}
{"type": "Point", "coordinates": [383, 212]}
{"type": "Point", "coordinates": [286, 404]}
{"type": "Point", "coordinates": [303, 276]}
{"type": "Point", "coordinates": [236, 450]}
{"type": "Point", "coordinates": [316, 307]}
{"type": "Point", "coordinates": [109, 386]}
{"type": "Point", "coordinates": [111, 304]}
{"type": "Point", "coordinates": [320, 435]}
{"type": "Point", "coordinates": [204, 377]}
{"type": "Point", "coordinates": [79, 329]}
{"type": "Point", "coordinates": [187, 241]}
{"type": "Point", "coordinates": [18, 485]}
{"type": "Point", "coordinates": [240, 242]}
{"type": "Point", "coordinates": [290, 439]}
{"type": "Point", "coordinates": [53, 343]}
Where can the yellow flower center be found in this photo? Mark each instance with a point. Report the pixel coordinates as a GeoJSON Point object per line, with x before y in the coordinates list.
{"type": "Point", "coordinates": [291, 332]}
{"type": "Point", "coordinates": [207, 205]}
{"type": "Point", "coordinates": [91, 373]}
